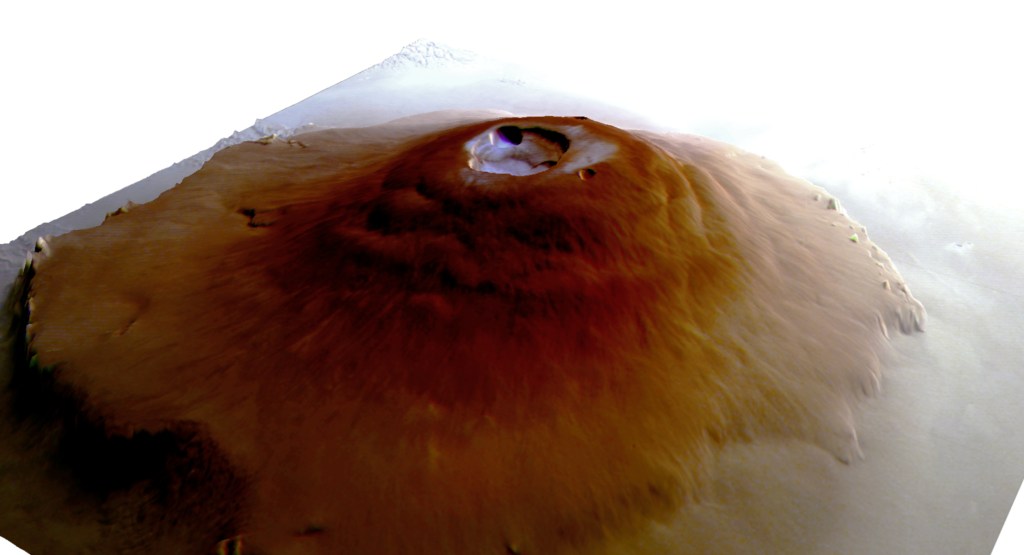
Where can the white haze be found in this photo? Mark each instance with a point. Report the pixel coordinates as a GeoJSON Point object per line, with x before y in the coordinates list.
{"type": "Point", "coordinates": [100, 96]}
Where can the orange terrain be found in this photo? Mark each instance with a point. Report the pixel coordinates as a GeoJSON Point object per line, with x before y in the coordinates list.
{"type": "Point", "coordinates": [445, 335]}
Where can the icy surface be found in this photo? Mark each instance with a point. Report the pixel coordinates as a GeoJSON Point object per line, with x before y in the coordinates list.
{"type": "Point", "coordinates": [943, 441]}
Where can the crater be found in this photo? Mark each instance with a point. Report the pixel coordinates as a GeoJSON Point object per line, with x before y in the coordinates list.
{"type": "Point", "coordinates": [514, 150]}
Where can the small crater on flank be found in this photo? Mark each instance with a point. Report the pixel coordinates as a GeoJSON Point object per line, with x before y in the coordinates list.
{"type": "Point", "coordinates": [254, 218]}
{"type": "Point", "coordinates": [312, 530]}
{"type": "Point", "coordinates": [378, 220]}
{"type": "Point", "coordinates": [230, 546]}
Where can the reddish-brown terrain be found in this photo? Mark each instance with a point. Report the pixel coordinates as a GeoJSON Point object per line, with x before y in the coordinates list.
{"type": "Point", "coordinates": [441, 335]}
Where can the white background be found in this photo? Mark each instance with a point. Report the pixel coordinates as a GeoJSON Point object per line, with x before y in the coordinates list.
{"type": "Point", "coordinates": [98, 95]}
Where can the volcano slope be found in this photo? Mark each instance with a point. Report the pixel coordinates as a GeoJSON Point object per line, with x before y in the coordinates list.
{"type": "Point", "coordinates": [444, 334]}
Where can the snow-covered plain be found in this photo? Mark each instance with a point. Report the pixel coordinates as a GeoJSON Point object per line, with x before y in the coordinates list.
{"type": "Point", "coordinates": [943, 442]}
